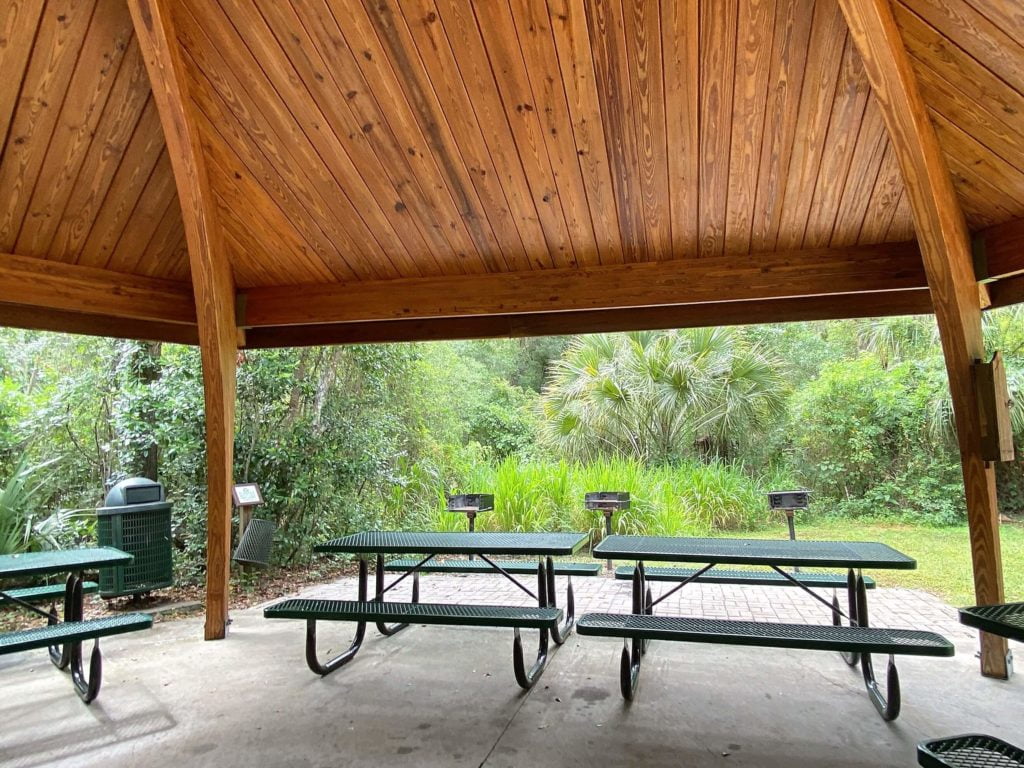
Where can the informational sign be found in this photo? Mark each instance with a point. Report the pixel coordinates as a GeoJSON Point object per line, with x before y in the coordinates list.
{"type": "Point", "coordinates": [247, 495]}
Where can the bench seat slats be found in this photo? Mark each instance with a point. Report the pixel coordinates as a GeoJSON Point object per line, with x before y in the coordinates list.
{"type": "Point", "coordinates": [479, 566]}
{"type": "Point", "coordinates": [419, 613]}
{"type": "Point", "coordinates": [73, 631]}
{"type": "Point", "coordinates": [48, 591]}
{"type": "Point", "coordinates": [758, 578]}
{"type": "Point", "coordinates": [971, 750]}
{"type": "Point", "coordinates": [765, 634]}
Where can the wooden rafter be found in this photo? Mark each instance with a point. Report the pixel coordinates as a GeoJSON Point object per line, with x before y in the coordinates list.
{"type": "Point", "coordinates": [57, 286]}
{"type": "Point", "coordinates": [759, 276]}
{"type": "Point", "coordinates": [1000, 250]}
{"type": "Point", "coordinates": [62, 321]}
{"type": "Point", "coordinates": [881, 304]}
{"type": "Point", "coordinates": [946, 250]}
{"type": "Point", "coordinates": [213, 284]}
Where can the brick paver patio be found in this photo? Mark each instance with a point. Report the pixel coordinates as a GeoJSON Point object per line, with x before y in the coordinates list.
{"type": "Point", "coordinates": [905, 608]}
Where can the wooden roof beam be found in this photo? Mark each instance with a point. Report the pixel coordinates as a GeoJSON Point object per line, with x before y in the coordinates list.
{"type": "Point", "coordinates": [61, 321]}
{"type": "Point", "coordinates": [212, 283]}
{"type": "Point", "coordinates": [688, 281]}
{"type": "Point", "coordinates": [882, 304]}
{"type": "Point", "coordinates": [946, 250]}
{"type": "Point", "coordinates": [999, 250]}
{"type": "Point", "coordinates": [54, 285]}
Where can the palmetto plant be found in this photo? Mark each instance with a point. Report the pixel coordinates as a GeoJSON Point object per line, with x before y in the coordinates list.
{"type": "Point", "coordinates": [20, 528]}
{"type": "Point", "coordinates": [658, 395]}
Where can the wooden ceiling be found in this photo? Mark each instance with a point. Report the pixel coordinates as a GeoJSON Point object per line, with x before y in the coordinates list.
{"type": "Point", "coordinates": [366, 142]}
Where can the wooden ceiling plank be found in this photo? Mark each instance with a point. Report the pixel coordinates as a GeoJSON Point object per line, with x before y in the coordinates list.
{"type": "Point", "coordinates": [607, 46]}
{"type": "Point", "coordinates": [129, 111]}
{"type": "Point", "coordinates": [901, 227]}
{"type": "Point", "coordinates": [885, 197]}
{"type": "Point", "coordinates": [568, 20]}
{"type": "Point", "coordinates": [373, 152]}
{"type": "Point", "coordinates": [851, 99]}
{"type": "Point", "coordinates": [58, 41]}
{"type": "Point", "coordinates": [212, 44]}
{"type": "Point", "coordinates": [696, 279]}
{"type": "Point", "coordinates": [973, 32]}
{"type": "Point", "coordinates": [824, 63]}
{"type": "Point", "coordinates": [789, 55]}
{"type": "Point", "coordinates": [122, 197]}
{"type": "Point", "coordinates": [532, 24]}
{"type": "Point", "coordinates": [372, 196]}
{"type": "Point", "coordinates": [19, 22]}
{"type": "Point", "coordinates": [1000, 133]}
{"type": "Point", "coordinates": [934, 52]}
{"type": "Point", "coordinates": [984, 204]}
{"type": "Point", "coordinates": [946, 253]}
{"type": "Point", "coordinates": [130, 247]}
{"type": "Point", "coordinates": [225, 140]}
{"type": "Point", "coordinates": [492, 52]}
{"type": "Point", "coordinates": [423, 188]}
{"type": "Point", "coordinates": [264, 221]}
{"type": "Point", "coordinates": [882, 304]}
{"type": "Point", "coordinates": [754, 39]}
{"type": "Point", "coordinates": [860, 183]}
{"type": "Point", "coordinates": [42, 284]}
{"type": "Point", "coordinates": [1007, 16]}
{"type": "Point", "coordinates": [97, 70]}
{"type": "Point", "coordinates": [987, 164]}
{"type": "Point", "coordinates": [221, 102]}
{"type": "Point", "coordinates": [214, 289]}
{"type": "Point", "coordinates": [490, 190]}
{"type": "Point", "coordinates": [718, 27]}
{"type": "Point", "coordinates": [161, 249]}
{"type": "Point", "coordinates": [647, 91]}
{"type": "Point", "coordinates": [680, 26]}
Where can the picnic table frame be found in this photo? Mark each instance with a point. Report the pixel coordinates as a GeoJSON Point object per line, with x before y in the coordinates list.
{"type": "Point", "coordinates": [544, 546]}
{"type": "Point", "coordinates": [774, 553]}
{"type": "Point", "coordinates": [74, 562]}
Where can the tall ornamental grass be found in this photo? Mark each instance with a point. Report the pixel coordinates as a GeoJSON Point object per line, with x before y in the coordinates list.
{"type": "Point", "coordinates": [688, 498]}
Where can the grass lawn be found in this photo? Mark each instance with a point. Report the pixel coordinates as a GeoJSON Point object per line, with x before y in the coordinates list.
{"type": "Point", "coordinates": [943, 554]}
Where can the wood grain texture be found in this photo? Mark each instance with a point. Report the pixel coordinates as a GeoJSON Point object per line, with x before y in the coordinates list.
{"type": "Point", "coordinates": [1003, 249]}
{"type": "Point", "coordinates": [946, 252]}
{"type": "Point", "coordinates": [213, 286]}
{"type": "Point", "coordinates": [52, 285]}
{"type": "Point", "coordinates": [63, 321]}
{"type": "Point", "coordinates": [880, 304]}
{"type": "Point", "coordinates": [723, 278]}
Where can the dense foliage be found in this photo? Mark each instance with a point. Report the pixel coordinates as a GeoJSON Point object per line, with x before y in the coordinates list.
{"type": "Point", "coordinates": [696, 424]}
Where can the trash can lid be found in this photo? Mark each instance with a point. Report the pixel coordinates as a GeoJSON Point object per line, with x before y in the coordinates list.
{"type": "Point", "coordinates": [135, 490]}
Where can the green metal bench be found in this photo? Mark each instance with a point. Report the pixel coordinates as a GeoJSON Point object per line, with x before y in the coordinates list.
{"type": "Point", "coordinates": [757, 578]}
{"type": "Point", "coordinates": [479, 566]}
{"type": "Point", "coordinates": [971, 750]}
{"type": "Point", "coordinates": [862, 640]}
{"type": "Point", "coordinates": [362, 612]}
{"type": "Point", "coordinates": [48, 592]}
{"type": "Point", "coordinates": [73, 633]}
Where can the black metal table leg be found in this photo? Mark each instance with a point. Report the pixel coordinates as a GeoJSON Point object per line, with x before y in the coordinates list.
{"type": "Point", "coordinates": [887, 704]}
{"type": "Point", "coordinates": [849, 657]}
{"type": "Point", "coordinates": [526, 679]}
{"type": "Point", "coordinates": [60, 655]}
{"type": "Point", "coordinates": [561, 633]}
{"type": "Point", "coordinates": [343, 658]}
{"type": "Point", "coordinates": [392, 629]}
{"type": "Point", "coordinates": [633, 649]}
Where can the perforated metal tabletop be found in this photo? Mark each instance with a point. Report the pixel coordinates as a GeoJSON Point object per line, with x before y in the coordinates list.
{"type": "Point", "coordinates": [1006, 619]}
{"type": "Point", "coordinates": [825, 554]}
{"type": "Point", "coordinates": [373, 542]}
{"type": "Point", "coordinates": [60, 561]}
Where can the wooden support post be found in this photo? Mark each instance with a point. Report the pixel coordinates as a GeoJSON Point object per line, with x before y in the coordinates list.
{"type": "Point", "coordinates": [946, 250]}
{"type": "Point", "coordinates": [212, 284]}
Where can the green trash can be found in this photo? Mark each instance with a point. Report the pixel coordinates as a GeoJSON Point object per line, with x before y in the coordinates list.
{"type": "Point", "coordinates": [136, 518]}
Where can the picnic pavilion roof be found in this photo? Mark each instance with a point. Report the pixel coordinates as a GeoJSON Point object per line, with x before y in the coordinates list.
{"type": "Point", "coordinates": [247, 174]}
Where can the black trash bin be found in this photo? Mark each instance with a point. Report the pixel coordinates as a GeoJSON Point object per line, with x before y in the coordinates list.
{"type": "Point", "coordinates": [136, 518]}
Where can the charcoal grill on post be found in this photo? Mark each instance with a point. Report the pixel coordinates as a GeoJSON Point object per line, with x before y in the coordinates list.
{"type": "Point", "coordinates": [788, 502]}
{"type": "Point", "coordinates": [609, 502]}
{"type": "Point", "coordinates": [470, 504]}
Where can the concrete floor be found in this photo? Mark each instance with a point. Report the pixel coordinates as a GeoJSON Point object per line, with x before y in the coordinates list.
{"type": "Point", "coordinates": [446, 696]}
